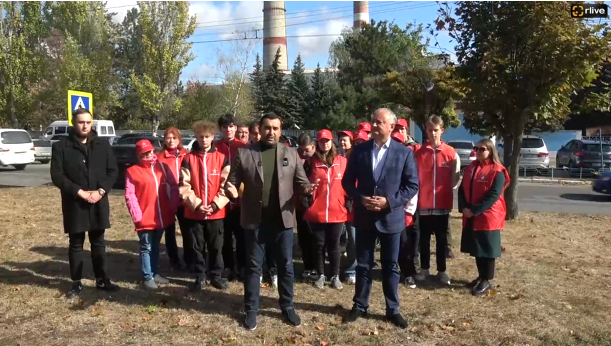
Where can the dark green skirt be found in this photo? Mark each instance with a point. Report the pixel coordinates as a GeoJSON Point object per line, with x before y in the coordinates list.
{"type": "Point", "coordinates": [485, 244]}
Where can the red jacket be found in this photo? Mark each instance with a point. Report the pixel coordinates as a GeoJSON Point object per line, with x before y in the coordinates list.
{"type": "Point", "coordinates": [151, 195]}
{"type": "Point", "coordinates": [174, 162]}
{"type": "Point", "coordinates": [230, 151]}
{"type": "Point", "coordinates": [202, 175]}
{"type": "Point", "coordinates": [436, 176]}
{"type": "Point", "coordinates": [329, 199]}
{"type": "Point", "coordinates": [492, 219]}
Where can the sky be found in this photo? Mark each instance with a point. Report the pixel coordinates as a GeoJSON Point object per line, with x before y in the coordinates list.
{"type": "Point", "coordinates": [222, 25]}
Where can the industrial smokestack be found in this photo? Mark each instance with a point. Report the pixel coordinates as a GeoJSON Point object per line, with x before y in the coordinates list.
{"type": "Point", "coordinates": [361, 14]}
{"type": "Point", "coordinates": [274, 34]}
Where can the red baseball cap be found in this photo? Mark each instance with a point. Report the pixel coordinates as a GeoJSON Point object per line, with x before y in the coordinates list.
{"type": "Point", "coordinates": [345, 133]}
{"type": "Point", "coordinates": [398, 136]}
{"type": "Point", "coordinates": [144, 146]}
{"type": "Point", "coordinates": [324, 134]}
{"type": "Point", "coordinates": [362, 135]}
{"type": "Point", "coordinates": [402, 123]}
{"type": "Point", "coordinates": [365, 127]}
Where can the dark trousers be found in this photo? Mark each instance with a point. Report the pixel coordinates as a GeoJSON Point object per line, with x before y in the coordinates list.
{"type": "Point", "coordinates": [270, 261]}
{"type": "Point", "coordinates": [257, 242]}
{"type": "Point", "coordinates": [449, 236]}
{"type": "Point", "coordinates": [98, 254]}
{"type": "Point", "coordinates": [234, 253]}
{"type": "Point", "coordinates": [485, 267]}
{"type": "Point", "coordinates": [408, 252]}
{"type": "Point", "coordinates": [326, 235]}
{"type": "Point", "coordinates": [304, 238]}
{"type": "Point", "coordinates": [207, 234]}
{"type": "Point", "coordinates": [389, 254]}
{"type": "Point", "coordinates": [187, 243]}
{"type": "Point", "coordinates": [437, 225]}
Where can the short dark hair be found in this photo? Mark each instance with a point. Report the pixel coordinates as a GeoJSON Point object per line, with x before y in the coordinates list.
{"type": "Point", "coordinates": [226, 119]}
{"type": "Point", "coordinates": [78, 112]}
{"type": "Point", "coordinates": [271, 116]}
{"type": "Point", "coordinates": [240, 125]}
{"type": "Point", "coordinates": [253, 126]}
{"type": "Point", "coordinates": [305, 140]}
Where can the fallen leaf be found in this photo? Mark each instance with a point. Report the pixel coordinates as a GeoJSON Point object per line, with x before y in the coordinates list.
{"type": "Point", "coordinates": [467, 324]}
{"type": "Point", "coordinates": [264, 285]}
{"type": "Point", "coordinates": [324, 343]}
{"type": "Point", "coordinates": [125, 326]}
{"type": "Point", "coordinates": [450, 328]}
{"type": "Point", "coordinates": [598, 261]}
{"type": "Point", "coordinates": [95, 311]}
{"type": "Point", "coordinates": [320, 327]}
{"type": "Point", "coordinates": [16, 289]}
{"type": "Point", "coordinates": [516, 296]}
{"type": "Point", "coordinates": [413, 329]}
{"type": "Point", "coordinates": [229, 338]}
{"type": "Point", "coordinates": [146, 318]}
{"type": "Point", "coordinates": [492, 293]}
{"type": "Point", "coordinates": [503, 249]}
{"type": "Point", "coordinates": [370, 332]}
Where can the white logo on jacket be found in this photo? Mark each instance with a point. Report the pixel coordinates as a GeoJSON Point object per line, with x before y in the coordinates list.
{"type": "Point", "coordinates": [339, 176]}
{"type": "Point", "coordinates": [483, 178]}
{"type": "Point", "coordinates": [214, 172]}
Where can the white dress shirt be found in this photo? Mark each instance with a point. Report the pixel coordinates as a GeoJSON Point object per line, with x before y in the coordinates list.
{"type": "Point", "coordinates": [378, 157]}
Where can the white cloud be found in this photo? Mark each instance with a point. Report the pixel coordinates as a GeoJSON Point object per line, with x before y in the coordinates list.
{"type": "Point", "coordinates": [204, 72]}
{"type": "Point", "coordinates": [228, 19]}
{"type": "Point", "coordinates": [120, 8]}
{"type": "Point", "coordinates": [310, 44]}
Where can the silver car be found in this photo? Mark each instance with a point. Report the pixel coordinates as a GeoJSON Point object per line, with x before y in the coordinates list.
{"type": "Point", "coordinates": [534, 153]}
{"type": "Point", "coordinates": [42, 150]}
{"type": "Point", "coordinates": [464, 149]}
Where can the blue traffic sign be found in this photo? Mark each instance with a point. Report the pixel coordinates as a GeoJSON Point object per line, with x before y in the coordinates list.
{"type": "Point", "coordinates": [79, 99]}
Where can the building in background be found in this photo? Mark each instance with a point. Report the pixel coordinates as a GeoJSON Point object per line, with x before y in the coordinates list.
{"type": "Point", "coordinates": [274, 34]}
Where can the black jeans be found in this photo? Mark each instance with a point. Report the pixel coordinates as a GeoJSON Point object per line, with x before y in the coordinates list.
{"type": "Point", "coordinates": [449, 236]}
{"type": "Point", "coordinates": [207, 233]}
{"type": "Point", "coordinates": [408, 251]}
{"type": "Point", "coordinates": [234, 253]}
{"type": "Point", "coordinates": [437, 225]}
{"type": "Point", "coordinates": [257, 243]}
{"type": "Point", "coordinates": [98, 254]}
{"type": "Point", "coordinates": [485, 267]}
{"type": "Point", "coordinates": [187, 243]}
{"type": "Point", "coordinates": [326, 235]}
{"type": "Point", "coordinates": [304, 238]}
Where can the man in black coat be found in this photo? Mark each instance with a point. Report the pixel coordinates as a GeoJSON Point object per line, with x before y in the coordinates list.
{"type": "Point", "coordinates": [84, 169]}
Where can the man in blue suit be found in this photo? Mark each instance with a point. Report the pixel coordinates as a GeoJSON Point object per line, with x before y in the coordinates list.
{"type": "Point", "coordinates": [381, 177]}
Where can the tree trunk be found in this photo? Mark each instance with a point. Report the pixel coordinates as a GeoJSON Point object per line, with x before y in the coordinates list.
{"type": "Point", "coordinates": [511, 158]}
{"type": "Point", "coordinates": [423, 133]}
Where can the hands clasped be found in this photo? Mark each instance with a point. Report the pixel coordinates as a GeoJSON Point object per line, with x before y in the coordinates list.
{"type": "Point", "coordinates": [375, 203]}
{"type": "Point", "coordinates": [92, 197]}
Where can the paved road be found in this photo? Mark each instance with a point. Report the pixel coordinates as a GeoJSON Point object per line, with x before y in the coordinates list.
{"type": "Point", "coordinates": [531, 196]}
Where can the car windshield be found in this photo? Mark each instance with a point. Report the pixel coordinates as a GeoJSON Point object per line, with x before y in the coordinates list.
{"type": "Point", "coordinates": [461, 145]}
{"type": "Point", "coordinates": [186, 141]}
{"type": "Point", "coordinates": [57, 138]}
{"type": "Point", "coordinates": [42, 144]}
{"type": "Point", "coordinates": [532, 143]}
{"type": "Point", "coordinates": [15, 137]}
{"type": "Point", "coordinates": [596, 147]}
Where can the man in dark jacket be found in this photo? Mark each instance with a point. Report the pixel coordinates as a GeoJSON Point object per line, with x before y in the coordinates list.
{"type": "Point", "coordinates": [84, 169]}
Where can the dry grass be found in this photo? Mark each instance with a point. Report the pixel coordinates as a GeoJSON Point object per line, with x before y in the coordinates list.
{"type": "Point", "coordinates": [553, 289]}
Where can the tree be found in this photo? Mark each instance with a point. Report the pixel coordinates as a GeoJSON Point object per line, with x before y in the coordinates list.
{"type": "Point", "coordinates": [166, 27]}
{"type": "Point", "coordinates": [234, 67]}
{"type": "Point", "coordinates": [299, 88]}
{"type": "Point", "coordinates": [276, 97]}
{"type": "Point", "coordinates": [521, 62]}
{"type": "Point", "coordinates": [257, 83]}
{"type": "Point", "coordinates": [316, 100]}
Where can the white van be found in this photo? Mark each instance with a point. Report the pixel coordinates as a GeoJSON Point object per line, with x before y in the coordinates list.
{"type": "Point", "coordinates": [104, 128]}
{"type": "Point", "coordinates": [16, 148]}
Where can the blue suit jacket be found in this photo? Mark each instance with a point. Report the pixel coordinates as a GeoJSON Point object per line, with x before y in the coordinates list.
{"type": "Point", "coordinates": [398, 183]}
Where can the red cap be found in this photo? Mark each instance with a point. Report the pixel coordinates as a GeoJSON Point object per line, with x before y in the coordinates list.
{"type": "Point", "coordinates": [402, 123]}
{"type": "Point", "coordinates": [143, 146]}
{"type": "Point", "coordinates": [324, 134]}
{"type": "Point", "coordinates": [345, 133]}
{"type": "Point", "coordinates": [362, 135]}
{"type": "Point", "coordinates": [398, 136]}
{"type": "Point", "coordinates": [365, 127]}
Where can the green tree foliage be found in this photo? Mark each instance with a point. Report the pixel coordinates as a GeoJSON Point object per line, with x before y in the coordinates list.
{"type": "Point", "coordinates": [299, 89]}
{"type": "Point", "coordinates": [276, 97]}
{"type": "Point", "coordinates": [317, 98]}
{"type": "Point", "coordinates": [257, 84]}
{"type": "Point", "coordinates": [521, 63]}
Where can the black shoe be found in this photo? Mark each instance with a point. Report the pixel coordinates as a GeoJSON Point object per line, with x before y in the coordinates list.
{"type": "Point", "coordinates": [473, 283]}
{"type": "Point", "coordinates": [353, 315]}
{"type": "Point", "coordinates": [398, 321]}
{"type": "Point", "coordinates": [450, 254]}
{"type": "Point", "coordinates": [106, 285]}
{"type": "Point", "coordinates": [176, 266]}
{"type": "Point", "coordinates": [250, 320]}
{"type": "Point", "coordinates": [291, 317]}
{"type": "Point", "coordinates": [219, 284]}
{"type": "Point", "coordinates": [481, 288]}
{"type": "Point", "coordinates": [198, 285]}
{"type": "Point", "coordinates": [75, 290]}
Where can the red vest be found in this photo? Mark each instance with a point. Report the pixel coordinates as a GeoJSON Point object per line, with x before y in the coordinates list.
{"type": "Point", "coordinates": [329, 199]}
{"type": "Point", "coordinates": [483, 176]}
{"type": "Point", "coordinates": [230, 151]}
{"type": "Point", "coordinates": [173, 162]}
{"type": "Point", "coordinates": [205, 169]}
{"type": "Point", "coordinates": [435, 176]}
{"type": "Point", "coordinates": [153, 193]}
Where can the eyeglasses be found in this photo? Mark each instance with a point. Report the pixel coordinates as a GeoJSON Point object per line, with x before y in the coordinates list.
{"type": "Point", "coordinates": [480, 149]}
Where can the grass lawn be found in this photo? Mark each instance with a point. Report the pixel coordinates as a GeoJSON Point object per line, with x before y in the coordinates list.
{"type": "Point", "coordinates": [553, 288]}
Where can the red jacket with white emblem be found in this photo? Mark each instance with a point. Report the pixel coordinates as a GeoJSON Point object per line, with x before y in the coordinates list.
{"type": "Point", "coordinates": [329, 199]}
{"type": "Point", "coordinates": [436, 175]}
{"type": "Point", "coordinates": [173, 161]}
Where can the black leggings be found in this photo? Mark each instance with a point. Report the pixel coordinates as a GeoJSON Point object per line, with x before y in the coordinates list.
{"type": "Point", "coordinates": [304, 237]}
{"type": "Point", "coordinates": [408, 251]}
{"type": "Point", "coordinates": [485, 268]}
{"type": "Point", "coordinates": [326, 235]}
{"type": "Point", "coordinates": [437, 225]}
{"type": "Point", "coordinates": [98, 254]}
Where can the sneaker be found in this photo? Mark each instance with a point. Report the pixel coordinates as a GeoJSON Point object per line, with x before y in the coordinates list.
{"type": "Point", "coordinates": [320, 282]}
{"type": "Point", "coordinates": [275, 281]}
{"type": "Point", "coordinates": [424, 273]}
{"type": "Point", "coordinates": [198, 285]}
{"type": "Point", "coordinates": [410, 282]}
{"type": "Point", "coordinates": [75, 290]}
{"type": "Point", "coordinates": [351, 280]}
{"type": "Point", "coordinates": [106, 285]}
{"type": "Point", "coordinates": [150, 285]}
{"type": "Point", "coordinates": [444, 278]}
{"type": "Point", "coordinates": [336, 283]}
{"type": "Point", "coordinates": [219, 284]}
{"type": "Point", "coordinates": [306, 275]}
{"type": "Point", "coordinates": [161, 280]}
{"type": "Point", "coordinates": [291, 317]}
{"type": "Point", "coordinates": [473, 283]}
{"type": "Point", "coordinates": [250, 320]}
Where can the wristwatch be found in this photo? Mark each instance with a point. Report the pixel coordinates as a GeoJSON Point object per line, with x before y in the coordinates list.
{"type": "Point", "coordinates": [101, 192]}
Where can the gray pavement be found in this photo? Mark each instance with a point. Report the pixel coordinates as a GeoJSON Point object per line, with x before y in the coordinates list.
{"type": "Point", "coordinates": [531, 196]}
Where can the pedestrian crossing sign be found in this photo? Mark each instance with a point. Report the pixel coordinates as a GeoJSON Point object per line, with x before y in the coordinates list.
{"type": "Point", "coordinates": [79, 99]}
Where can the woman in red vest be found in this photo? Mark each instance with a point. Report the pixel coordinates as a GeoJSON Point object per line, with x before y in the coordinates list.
{"type": "Point", "coordinates": [151, 194]}
{"type": "Point", "coordinates": [327, 211]}
{"type": "Point", "coordinates": [172, 155]}
{"type": "Point", "coordinates": [481, 201]}
{"type": "Point", "coordinates": [307, 148]}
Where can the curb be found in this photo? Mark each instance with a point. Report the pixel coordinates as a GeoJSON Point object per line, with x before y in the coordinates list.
{"type": "Point", "coordinates": [585, 182]}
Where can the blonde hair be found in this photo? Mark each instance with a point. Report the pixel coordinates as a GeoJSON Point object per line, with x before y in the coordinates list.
{"type": "Point", "coordinates": [494, 154]}
{"type": "Point", "coordinates": [434, 120]}
{"type": "Point", "coordinates": [205, 127]}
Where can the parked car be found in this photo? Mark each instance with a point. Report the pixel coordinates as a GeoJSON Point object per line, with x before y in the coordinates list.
{"type": "Point", "coordinates": [125, 154]}
{"type": "Point", "coordinates": [16, 148]}
{"type": "Point", "coordinates": [42, 150]}
{"type": "Point", "coordinates": [603, 183]}
{"type": "Point", "coordinates": [584, 154]}
{"type": "Point", "coordinates": [464, 149]}
{"type": "Point", "coordinates": [534, 153]}
{"type": "Point", "coordinates": [187, 143]}
{"type": "Point", "coordinates": [56, 138]}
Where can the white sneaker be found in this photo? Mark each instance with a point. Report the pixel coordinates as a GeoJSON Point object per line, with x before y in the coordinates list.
{"type": "Point", "coordinates": [161, 280]}
{"type": "Point", "coordinates": [275, 281]}
{"type": "Point", "coordinates": [336, 283]}
{"type": "Point", "coordinates": [351, 280]}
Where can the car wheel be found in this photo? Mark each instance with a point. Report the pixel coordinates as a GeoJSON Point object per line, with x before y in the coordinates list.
{"type": "Point", "coordinates": [19, 167]}
{"type": "Point", "coordinates": [44, 162]}
{"type": "Point", "coordinates": [558, 165]}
